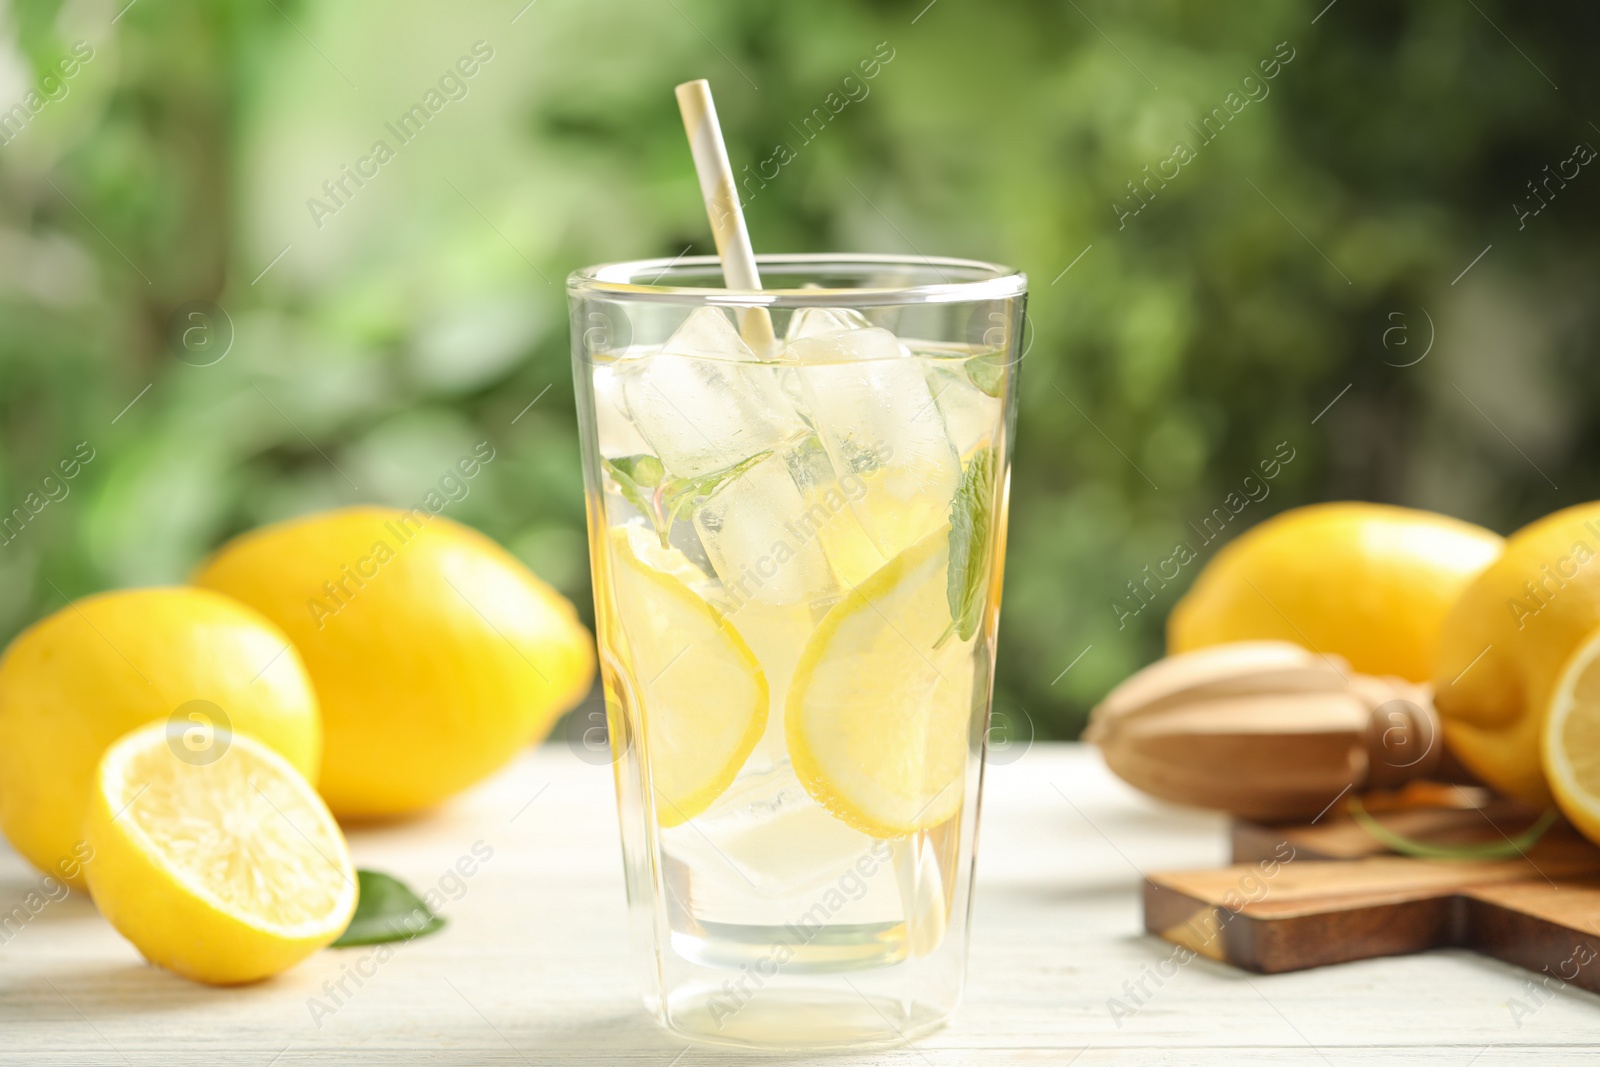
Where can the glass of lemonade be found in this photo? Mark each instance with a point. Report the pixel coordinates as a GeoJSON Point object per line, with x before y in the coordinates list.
{"type": "Point", "coordinates": [797, 558]}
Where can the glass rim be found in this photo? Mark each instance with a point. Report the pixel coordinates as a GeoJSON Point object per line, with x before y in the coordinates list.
{"type": "Point", "coordinates": [985, 281]}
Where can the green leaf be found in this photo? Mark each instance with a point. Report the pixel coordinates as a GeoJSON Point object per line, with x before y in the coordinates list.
{"type": "Point", "coordinates": [971, 531]}
{"type": "Point", "coordinates": [386, 910]}
{"type": "Point", "coordinates": [638, 477]}
{"type": "Point", "coordinates": [645, 484]}
{"type": "Point", "coordinates": [683, 495]}
{"type": "Point", "coordinates": [987, 372]}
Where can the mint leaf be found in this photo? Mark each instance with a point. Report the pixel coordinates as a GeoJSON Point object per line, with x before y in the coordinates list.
{"type": "Point", "coordinates": [987, 372]}
{"type": "Point", "coordinates": [683, 495]}
{"type": "Point", "coordinates": [971, 531]}
{"type": "Point", "coordinates": [386, 910]}
{"type": "Point", "coordinates": [638, 477]}
{"type": "Point", "coordinates": [644, 484]}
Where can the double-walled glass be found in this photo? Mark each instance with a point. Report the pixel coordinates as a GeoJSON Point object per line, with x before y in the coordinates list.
{"type": "Point", "coordinates": [797, 512]}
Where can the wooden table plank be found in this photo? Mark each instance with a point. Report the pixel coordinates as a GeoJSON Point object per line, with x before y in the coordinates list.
{"type": "Point", "coordinates": [532, 970]}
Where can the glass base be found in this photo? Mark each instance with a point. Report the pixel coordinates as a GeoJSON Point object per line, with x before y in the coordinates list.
{"type": "Point", "coordinates": [799, 1019]}
{"type": "Point", "coordinates": [828, 950]}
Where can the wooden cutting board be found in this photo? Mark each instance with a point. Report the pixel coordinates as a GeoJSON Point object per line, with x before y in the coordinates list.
{"type": "Point", "coordinates": [1305, 896]}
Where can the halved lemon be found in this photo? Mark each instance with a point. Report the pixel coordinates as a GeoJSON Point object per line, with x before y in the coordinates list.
{"type": "Point", "coordinates": [701, 693]}
{"type": "Point", "coordinates": [1572, 738]}
{"type": "Point", "coordinates": [224, 866]}
{"type": "Point", "coordinates": [878, 718]}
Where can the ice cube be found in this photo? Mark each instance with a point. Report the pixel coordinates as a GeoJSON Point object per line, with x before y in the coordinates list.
{"type": "Point", "coordinates": [615, 430]}
{"type": "Point", "coordinates": [971, 416]}
{"type": "Point", "coordinates": [870, 403]}
{"type": "Point", "coordinates": [709, 334]}
{"type": "Point", "coordinates": [704, 402]}
{"type": "Point", "coordinates": [808, 322]}
{"type": "Point", "coordinates": [750, 530]}
{"type": "Point", "coordinates": [783, 842]}
{"type": "Point", "coordinates": [846, 344]}
{"type": "Point", "coordinates": [829, 517]}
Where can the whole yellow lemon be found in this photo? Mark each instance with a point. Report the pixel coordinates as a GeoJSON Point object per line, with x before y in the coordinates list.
{"type": "Point", "coordinates": [1368, 582]}
{"type": "Point", "coordinates": [436, 655]}
{"type": "Point", "coordinates": [74, 682]}
{"type": "Point", "coordinates": [1505, 642]}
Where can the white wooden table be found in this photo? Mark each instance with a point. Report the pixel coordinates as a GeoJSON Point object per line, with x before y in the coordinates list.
{"type": "Point", "coordinates": [531, 968]}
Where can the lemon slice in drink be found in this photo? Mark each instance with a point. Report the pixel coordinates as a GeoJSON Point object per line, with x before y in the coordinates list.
{"type": "Point", "coordinates": [222, 865]}
{"type": "Point", "coordinates": [1572, 738]}
{"type": "Point", "coordinates": [877, 719]}
{"type": "Point", "coordinates": [702, 692]}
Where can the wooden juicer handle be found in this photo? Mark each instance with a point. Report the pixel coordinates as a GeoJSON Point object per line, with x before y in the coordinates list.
{"type": "Point", "coordinates": [1266, 730]}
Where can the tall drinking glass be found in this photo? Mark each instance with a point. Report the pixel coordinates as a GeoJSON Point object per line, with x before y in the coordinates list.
{"type": "Point", "coordinates": [797, 558]}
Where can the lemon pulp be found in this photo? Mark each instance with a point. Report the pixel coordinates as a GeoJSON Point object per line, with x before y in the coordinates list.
{"type": "Point", "coordinates": [701, 691]}
{"type": "Point", "coordinates": [877, 715]}
{"type": "Point", "coordinates": [225, 869]}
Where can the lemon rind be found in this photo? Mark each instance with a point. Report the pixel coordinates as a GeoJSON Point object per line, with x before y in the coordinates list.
{"type": "Point", "coordinates": [110, 780]}
{"type": "Point", "coordinates": [679, 810]}
{"type": "Point", "coordinates": [807, 767]}
{"type": "Point", "coordinates": [1569, 792]}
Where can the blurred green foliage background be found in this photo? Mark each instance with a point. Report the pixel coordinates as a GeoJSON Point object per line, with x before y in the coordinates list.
{"type": "Point", "coordinates": [1309, 254]}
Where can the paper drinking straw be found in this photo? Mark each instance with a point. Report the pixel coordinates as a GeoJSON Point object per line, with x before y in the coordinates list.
{"type": "Point", "coordinates": [722, 207]}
